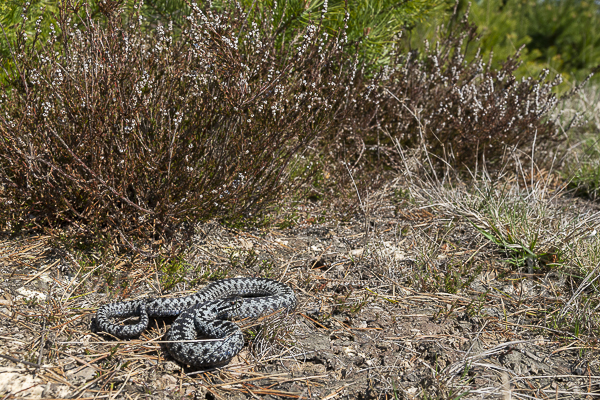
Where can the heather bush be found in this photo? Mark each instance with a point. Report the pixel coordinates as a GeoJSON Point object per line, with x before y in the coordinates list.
{"type": "Point", "coordinates": [580, 166]}
{"type": "Point", "coordinates": [129, 132]}
{"type": "Point", "coordinates": [459, 108]}
{"type": "Point", "coordinates": [368, 25]}
{"type": "Point", "coordinates": [24, 17]}
{"type": "Point", "coordinates": [371, 26]}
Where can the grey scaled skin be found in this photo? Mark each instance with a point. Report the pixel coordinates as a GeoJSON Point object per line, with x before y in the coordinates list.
{"type": "Point", "coordinates": [205, 313]}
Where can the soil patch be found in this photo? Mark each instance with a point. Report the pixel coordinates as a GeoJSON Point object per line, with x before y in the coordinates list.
{"type": "Point", "coordinates": [403, 304]}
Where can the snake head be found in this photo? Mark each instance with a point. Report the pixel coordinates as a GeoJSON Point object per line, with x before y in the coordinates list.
{"type": "Point", "coordinates": [229, 307]}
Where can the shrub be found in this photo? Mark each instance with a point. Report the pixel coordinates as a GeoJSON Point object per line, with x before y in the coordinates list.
{"type": "Point", "coordinates": [23, 17]}
{"type": "Point", "coordinates": [459, 108]}
{"type": "Point", "coordinates": [562, 35]}
{"type": "Point", "coordinates": [117, 128]}
{"type": "Point", "coordinates": [580, 166]}
{"type": "Point", "coordinates": [371, 25]}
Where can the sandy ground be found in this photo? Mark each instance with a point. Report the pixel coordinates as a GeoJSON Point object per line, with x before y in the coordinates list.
{"type": "Point", "coordinates": [404, 304]}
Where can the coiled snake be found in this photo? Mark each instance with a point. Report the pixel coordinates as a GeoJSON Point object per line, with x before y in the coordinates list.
{"type": "Point", "coordinates": [204, 313]}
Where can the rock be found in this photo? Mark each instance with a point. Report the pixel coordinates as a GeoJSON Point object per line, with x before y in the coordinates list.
{"type": "Point", "coordinates": [166, 382]}
{"type": "Point", "coordinates": [81, 376]}
{"type": "Point", "coordinates": [357, 252]}
{"type": "Point", "coordinates": [170, 366]}
{"type": "Point", "coordinates": [56, 391]}
{"type": "Point", "coordinates": [30, 294]}
{"type": "Point", "coordinates": [13, 381]}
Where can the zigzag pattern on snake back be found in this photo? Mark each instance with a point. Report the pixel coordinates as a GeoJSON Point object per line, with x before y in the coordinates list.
{"type": "Point", "coordinates": [205, 313]}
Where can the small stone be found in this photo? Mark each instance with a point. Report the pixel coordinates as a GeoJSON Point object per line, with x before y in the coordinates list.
{"type": "Point", "coordinates": [357, 252]}
{"type": "Point", "coordinates": [31, 294]}
{"type": "Point", "coordinates": [171, 366]}
{"type": "Point", "coordinates": [56, 391]}
{"type": "Point", "coordinates": [167, 382]}
{"type": "Point", "coordinates": [360, 324]}
{"type": "Point", "coordinates": [13, 381]}
{"type": "Point", "coordinates": [83, 375]}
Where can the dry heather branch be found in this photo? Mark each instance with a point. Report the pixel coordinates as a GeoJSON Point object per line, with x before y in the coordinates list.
{"type": "Point", "coordinates": [126, 131]}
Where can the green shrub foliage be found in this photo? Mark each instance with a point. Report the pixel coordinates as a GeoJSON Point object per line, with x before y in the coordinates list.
{"type": "Point", "coordinates": [562, 35]}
